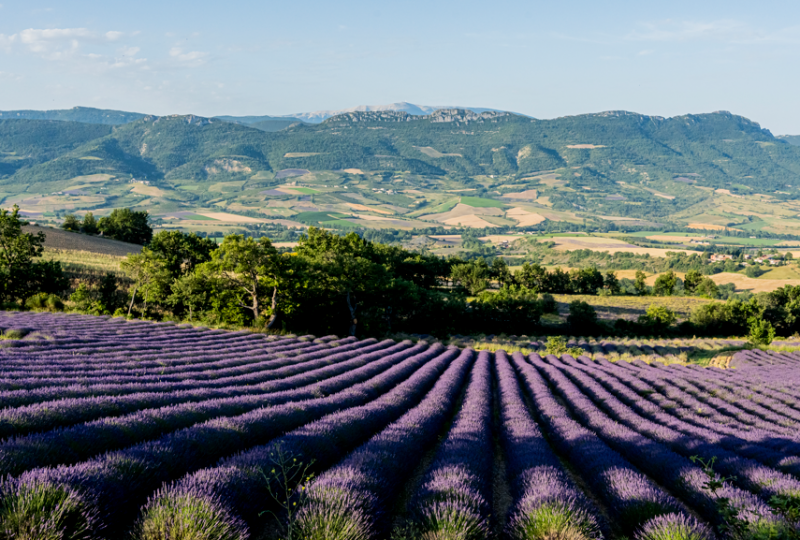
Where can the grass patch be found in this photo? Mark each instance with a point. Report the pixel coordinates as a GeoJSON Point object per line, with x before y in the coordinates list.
{"type": "Point", "coordinates": [198, 217]}
{"type": "Point", "coordinates": [630, 307]}
{"type": "Point", "coordinates": [478, 202]}
{"type": "Point", "coordinates": [318, 217]}
{"type": "Point", "coordinates": [84, 260]}
{"type": "Point", "coordinates": [340, 223]}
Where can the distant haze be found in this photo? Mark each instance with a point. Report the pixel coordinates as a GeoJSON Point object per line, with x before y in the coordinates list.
{"type": "Point", "coordinates": [282, 59]}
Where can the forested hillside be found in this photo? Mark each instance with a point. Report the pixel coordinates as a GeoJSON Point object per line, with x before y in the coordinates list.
{"type": "Point", "coordinates": [572, 168]}
{"type": "Point", "coordinates": [713, 149]}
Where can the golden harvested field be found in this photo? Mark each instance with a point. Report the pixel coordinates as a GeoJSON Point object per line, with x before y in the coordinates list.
{"type": "Point", "coordinates": [497, 238]}
{"type": "Point", "coordinates": [750, 284]}
{"type": "Point", "coordinates": [365, 208]}
{"type": "Point", "coordinates": [528, 195]}
{"type": "Point", "coordinates": [675, 239]}
{"type": "Point", "coordinates": [231, 218]}
{"type": "Point", "coordinates": [300, 154]}
{"type": "Point", "coordinates": [707, 227]}
{"type": "Point", "coordinates": [468, 221]}
{"type": "Point", "coordinates": [151, 191]}
{"type": "Point", "coordinates": [595, 243]}
{"type": "Point", "coordinates": [353, 171]}
{"type": "Point", "coordinates": [525, 218]}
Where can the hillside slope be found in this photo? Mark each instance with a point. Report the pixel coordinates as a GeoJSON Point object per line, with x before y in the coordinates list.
{"type": "Point", "coordinates": [591, 166]}
{"type": "Point", "coordinates": [86, 115]}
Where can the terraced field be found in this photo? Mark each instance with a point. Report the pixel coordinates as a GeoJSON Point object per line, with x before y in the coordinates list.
{"type": "Point", "coordinates": [113, 429]}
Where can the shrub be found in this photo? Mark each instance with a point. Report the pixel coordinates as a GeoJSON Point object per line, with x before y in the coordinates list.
{"type": "Point", "coordinates": [582, 316]}
{"type": "Point", "coordinates": [761, 332]}
{"type": "Point", "coordinates": [754, 271]}
{"type": "Point", "coordinates": [548, 303]}
{"type": "Point", "coordinates": [45, 302]}
{"type": "Point", "coordinates": [659, 318]}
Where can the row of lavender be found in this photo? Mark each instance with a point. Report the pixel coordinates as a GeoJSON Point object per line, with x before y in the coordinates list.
{"type": "Point", "coordinates": [369, 414]}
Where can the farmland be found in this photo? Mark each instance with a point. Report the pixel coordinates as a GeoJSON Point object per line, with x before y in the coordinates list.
{"type": "Point", "coordinates": [127, 429]}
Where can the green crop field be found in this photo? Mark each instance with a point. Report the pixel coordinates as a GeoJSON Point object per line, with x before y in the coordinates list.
{"type": "Point", "coordinates": [478, 202]}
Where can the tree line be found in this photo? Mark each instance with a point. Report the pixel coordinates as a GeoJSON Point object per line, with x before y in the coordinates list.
{"type": "Point", "coordinates": [349, 285]}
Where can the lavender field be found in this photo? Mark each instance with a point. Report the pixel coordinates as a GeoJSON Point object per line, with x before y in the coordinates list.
{"type": "Point", "coordinates": [114, 429]}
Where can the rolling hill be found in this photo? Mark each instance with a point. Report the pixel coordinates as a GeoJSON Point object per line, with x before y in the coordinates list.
{"type": "Point", "coordinates": [86, 115]}
{"type": "Point", "coordinates": [400, 169]}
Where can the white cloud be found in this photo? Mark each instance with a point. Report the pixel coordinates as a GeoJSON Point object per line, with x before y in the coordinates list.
{"type": "Point", "coordinates": [670, 30]}
{"type": "Point", "coordinates": [191, 57]}
{"type": "Point", "coordinates": [645, 52]}
{"type": "Point", "coordinates": [56, 43]}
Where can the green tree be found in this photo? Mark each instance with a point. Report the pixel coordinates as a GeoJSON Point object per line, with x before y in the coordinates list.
{"type": "Point", "coordinates": [582, 316]}
{"type": "Point", "coordinates": [639, 285]}
{"type": "Point", "coordinates": [707, 288]}
{"type": "Point", "coordinates": [21, 274]}
{"type": "Point", "coordinates": [692, 280]}
{"type": "Point", "coordinates": [192, 291]}
{"type": "Point", "coordinates": [71, 223]}
{"type": "Point", "coordinates": [611, 283]}
{"type": "Point", "coordinates": [181, 252]}
{"type": "Point", "coordinates": [150, 277]}
{"type": "Point", "coordinates": [754, 271]}
{"type": "Point", "coordinates": [658, 317]}
{"type": "Point", "coordinates": [345, 267]}
{"type": "Point", "coordinates": [532, 276]}
{"type": "Point", "coordinates": [127, 225]}
{"type": "Point", "coordinates": [89, 224]}
{"type": "Point", "coordinates": [665, 284]}
{"type": "Point", "coordinates": [501, 273]}
{"type": "Point", "coordinates": [761, 332]}
{"type": "Point", "coordinates": [586, 281]}
{"type": "Point", "coordinates": [473, 276]}
{"type": "Point", "coordinates": [253, 268]}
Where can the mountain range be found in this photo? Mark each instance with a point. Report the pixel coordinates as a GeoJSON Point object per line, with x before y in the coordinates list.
{"type": "Point", "coordinates": [615, 163]}
{"type": "Point", "coordinates": [265, 123]}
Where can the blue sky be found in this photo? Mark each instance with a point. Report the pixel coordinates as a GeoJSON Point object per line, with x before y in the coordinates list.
{"type": "Point", "coordinates": [545, 59]}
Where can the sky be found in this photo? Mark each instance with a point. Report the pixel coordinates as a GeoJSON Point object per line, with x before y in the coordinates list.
{"type": "Point", "coordinates": [541, 58]}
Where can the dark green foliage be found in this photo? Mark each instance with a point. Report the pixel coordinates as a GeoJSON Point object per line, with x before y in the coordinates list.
{"type": "Point", "coordinates": [582, 317]}
{"type": "Point", "coordinates": [754, 271]}
{"type": "Point", "coordinates": [45, 302]}
{"type": "Point", "coordinates": [761, 332]}
{"type": "Point", "coordinates": [692, 280]}
{"type": "Point", "coordinates": [549, 304]}
{"type": "Point", "coordinates": [71, 223]}
{"type": "Point", "coordinates": [21, 273]}
{"type": "Point", "coordinates": [658, 319]}
{"type": "Point", "coordinates": [473, 276]}
{"type": "Point", "coordinates": [188, 147]}
{"type": "Point", "coordinates": [89, 224]}
{"type": "Point", "coordinates": [665, 284]}
{"type": "Point", "coordinates": [127, 225]}
{"type": "Point", "coordinates": [181, 252]}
